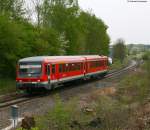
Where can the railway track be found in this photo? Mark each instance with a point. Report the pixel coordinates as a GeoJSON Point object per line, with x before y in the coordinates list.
{"type": "Point", "coordinates": [128, 68]}
{"type": "Point", "coordinates": [25, 98]}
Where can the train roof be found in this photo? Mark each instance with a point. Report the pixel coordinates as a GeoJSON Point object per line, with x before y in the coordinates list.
{"type": "Point", "coordinates": [60, 58]}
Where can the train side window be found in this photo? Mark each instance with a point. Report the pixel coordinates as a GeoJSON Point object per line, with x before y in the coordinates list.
{"type": "Point", "coordinates": [79, 66]}
{"type": "Point", "coordinates": [70, 65]}
{"type": "Point", "coordinates": [67, 67]}
{"type": "Point", "coordinates": [102, 63]}
{"type": "Point", "coordinates": [53, 69]}
{"type": "Point", "coordinates": [106, 62]}
{"type": "Point", "coordinates": [98, 63]}
{"type": "Point", "coordinates": [75, 67]}
{"type": "Point", "coordinates": [64, 68]}
{"type": "Point", "coordinates": [95, 64]}
{"type": "Point", "coordinates": [60, 68]}
{"type": "Point", "coordinates": [47, 69]}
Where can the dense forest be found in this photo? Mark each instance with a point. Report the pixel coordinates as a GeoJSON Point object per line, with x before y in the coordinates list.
{"type": "Point", "coordinates": [61, 28]}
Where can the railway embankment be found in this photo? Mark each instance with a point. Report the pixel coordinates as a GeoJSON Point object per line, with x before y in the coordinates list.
{"type": "Point", "coordinates": [124, 104]}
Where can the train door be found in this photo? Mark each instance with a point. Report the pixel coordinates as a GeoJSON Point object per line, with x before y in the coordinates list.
{"type": "Point", "coordinates": [63, 71]}
{"type": "Point", "coordinates": [53, 72]}
{"type": "Point", "coordinates": [48, 72]}
{"type": "Point", "coordinates": [85, 67]}
{"type": "Point", "coordinates": [60, 69]}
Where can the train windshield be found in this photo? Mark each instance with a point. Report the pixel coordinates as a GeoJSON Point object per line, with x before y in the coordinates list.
{"type": "Point", "coordinates": [30, 69]}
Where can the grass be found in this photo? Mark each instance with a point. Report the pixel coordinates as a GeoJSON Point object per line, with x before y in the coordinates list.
{"type": "Point", "coordinates": [7, 86]}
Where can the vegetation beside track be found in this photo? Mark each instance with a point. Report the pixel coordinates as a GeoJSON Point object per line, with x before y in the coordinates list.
{"type": "Point", "coordinates": [117, 64]}
{"type": "Point", "coordinates": [7, 86]}
{"type": "Point", "coordinates": [127, 107]}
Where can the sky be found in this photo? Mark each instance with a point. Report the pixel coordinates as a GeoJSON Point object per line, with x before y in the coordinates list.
{"type": "Point", "coordinates": [127, 20]}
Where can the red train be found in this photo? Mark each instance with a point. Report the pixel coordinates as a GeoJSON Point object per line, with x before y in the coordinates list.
{"type": "Point", "coordinates": [49, 71]}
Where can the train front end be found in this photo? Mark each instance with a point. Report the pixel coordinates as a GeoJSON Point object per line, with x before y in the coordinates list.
{"type": "Point", "coordinates": [30, 76]}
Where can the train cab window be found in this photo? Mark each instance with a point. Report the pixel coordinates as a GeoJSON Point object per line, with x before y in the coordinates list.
{"type": "Point", "coordinates": [47, 69]}
{"type": "Point", "coordinates": [53, 69]}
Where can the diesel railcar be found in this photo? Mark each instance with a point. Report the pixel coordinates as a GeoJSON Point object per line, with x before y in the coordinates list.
{"type": "Point", "coordinates": [47, 72]}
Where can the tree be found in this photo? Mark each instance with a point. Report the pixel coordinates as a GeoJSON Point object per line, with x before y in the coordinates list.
{"type": "Point", "coordinates": [37, 10]}
{"type": "Point", "coordinates": [146, 55]}
{"type": "Point", "coordinates": [85, 33]}
{"type": "Point", "coordinates": [49, 42]}
{"type": "Point", "coordinates": [11, 46]}
{"type": "Point", "coordinates": [97, 39]}
{"type": "Point", "coordinates": [13, 8]}
{"type": "Point", "coordinates": [119, 50]}
{"type": "Point", "coordinates": [61, 15]}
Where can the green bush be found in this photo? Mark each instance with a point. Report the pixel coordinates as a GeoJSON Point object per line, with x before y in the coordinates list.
{"type": "Point", "coordinates": [57, 118]}
{"type": "Point", "coordinates": [146, 55]}
{"type": "Point", "coordinates": [62, 116]}
{"type": "Point", "coordinates": [117, 64]}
